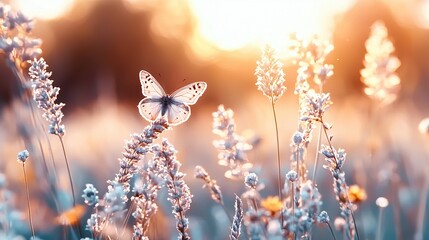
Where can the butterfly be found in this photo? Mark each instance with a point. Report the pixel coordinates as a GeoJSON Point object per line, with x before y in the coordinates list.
{"type": "Point", "coordinates": [174, 107]}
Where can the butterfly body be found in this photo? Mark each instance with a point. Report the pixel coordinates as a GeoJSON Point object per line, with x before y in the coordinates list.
{"type": "Point", "coordinates": [174, 107]}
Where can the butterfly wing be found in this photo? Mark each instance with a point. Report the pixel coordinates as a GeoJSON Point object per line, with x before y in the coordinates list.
{"type": "Point", "coordinates": [190, 93]}
{"type": "Point", "coordinates": [177, 113]}
{"type": "Point", "coordinates": [150, 108]}
{"type": "Point", "coordinates": [150, 87]}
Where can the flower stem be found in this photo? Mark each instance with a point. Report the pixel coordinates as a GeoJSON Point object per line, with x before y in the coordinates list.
{"type": "Point", "coordinates": [422, 210]}
{"type": "Point", "coordinates": [71, 181]}
{"type": "Point", "coordinates": [380, 221]}
{"type": "Point", "coordinates": [28, 201]}
{"type": "Point", "coordinates": [319, 138]}
{"type": "Point", "coordinates": [68, 170]}
{"type": "Point", "coordinates": [354, 223]}
{"type": "Point", "coordinates": [293, 207]}
{"type": "Point", "coordinates": [316, 160]}
{"type": "Point", "coordinates": [279, 181]}
{"type": "Point", "coordinates": [332, 232]}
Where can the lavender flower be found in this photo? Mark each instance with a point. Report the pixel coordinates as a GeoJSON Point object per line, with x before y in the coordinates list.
{"type": "Point", "coordinates": [303, 210]}
{"type": "Point", "coordinates": [314, 105]}
{"type": "Point", "coordinates": [232, 147]}
{"type": "Point", "coordinates": [95, 223]}
{"type": "Point", "coordinates": [270, 77]}
{"type": "Point", "coordinates": [115, 199]}
{"type": "Point", "coordinates": [382, 83]}
{"type": "Point", "coordinates": [146, 191]}
{"type": "Point", "coordinates": [178, 191]}
{"type": "Point", "coordinates": [135, 148]}
{"type": "Point", "coordinates": [336, 159]}
{"type": "Point", "coordinates": [90, 195]}
{"type": "Point", "coordinates": [113, 202]}
{"type": "Point", "coordinates": [45, 95]}
{"type": "Point", "coordinates": [215, 191]}
{"type": "Point", "coordinates": [238, 218]}
{"type": "Point", "coordinates": [310, 56]}
{"type": "Point", "coordinates": [16, 42]}
{"type": "Point", "coordinates": [301, 218]}
{"type": "Point", "coordinates": [254, 215]}
{"type": "Point", "coordinates": [310, 203]}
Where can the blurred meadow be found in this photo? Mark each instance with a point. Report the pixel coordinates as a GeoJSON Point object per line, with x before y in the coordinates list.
{"type": "Point", "coordinates": [96, 49]}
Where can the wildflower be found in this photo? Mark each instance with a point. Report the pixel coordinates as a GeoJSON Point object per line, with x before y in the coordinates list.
{"type": "Point", "coordinates": [23, 156]}
{"type": "Point", "coordinates": [323, 217]}
{"type": "Point", "coordinates": [251, 180]}
{"type": "Point", "coordinates": [272, 204]}
{"type": "Point", "coordinates": [72, 216]}
{"type": "Point", "coordinates": [238, 218]}
{"type": "Point", "coordinates": [115, 198]}
{"type": "Point", "coordinates": [323, 73]}
{"type": "Point", "coordinates": [45, 95]}
{"type": "Point", "coordinates": [93, 224]}
{"type": "Point", "coordinates": [356, 194]}
{"type": "Point", "coordinates": [292, 176]}
{"type": "Point", "coordinates": [269, 75]}
{"type": "Point", "coordinates": [336, 159]}
{"type": "Point", "coordinates": [90, 195]}
{"type": "Point", "coordinates": [232, 147]}
{"type": "Point", "coordinates": [16, 41]}
{"type": "Point", "coordinates": [215, 191]}
{"type": "Point", "coordinates": [382, 83]}
{"type": "Point", "coordinates": [314, 105]}
{"type": "Point", "coordinates": [310, 199]}
{"type": "Point", "coordinates": [146, 191]}
{"type": "Point", "coordinates": [382, 202]}
{"type": "Point", "coordinates": [135, 148]}
{"type": "Point", "coordinates": [297, 138]}
{"type": "Point", "coordinates": [310, 56]}
{"type": "Point", "coordinates": [178, 191]}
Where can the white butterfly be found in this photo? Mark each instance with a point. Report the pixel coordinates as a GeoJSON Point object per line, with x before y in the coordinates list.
{"type": "Point", "coordinates": [175, 107]}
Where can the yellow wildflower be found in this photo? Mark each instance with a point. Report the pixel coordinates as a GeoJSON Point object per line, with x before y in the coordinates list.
{"type": "Point", "coordinates": [272, 204]}
{"type": "Point", "coordinates": [356, 194]}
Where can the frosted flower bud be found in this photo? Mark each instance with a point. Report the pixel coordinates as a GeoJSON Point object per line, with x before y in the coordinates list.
{"type": "Point", "coordinates": [23, 156]}
{"type": "Point", "coordinates": [292, 176]}
{"type": "Point", "coordinates": [297, 137]}
{"type": "Point", "coordinates": [251, 180]}
{"type": "Point", "coordinates": [90, 195]}
{"type": "Point", "coordinates": [323, 217]}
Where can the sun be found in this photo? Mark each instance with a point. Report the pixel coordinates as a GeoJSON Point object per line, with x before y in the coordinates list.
{"type": "Point", "coordinates": [234, 24]}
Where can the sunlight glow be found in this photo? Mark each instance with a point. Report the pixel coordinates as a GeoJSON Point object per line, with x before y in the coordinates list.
{"type": "Point", "coordinates": [423, 16]}
{"type": "Point", "coordinates": [44, 9]}
{"type": "Point", "coordinates": [231, 25]}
